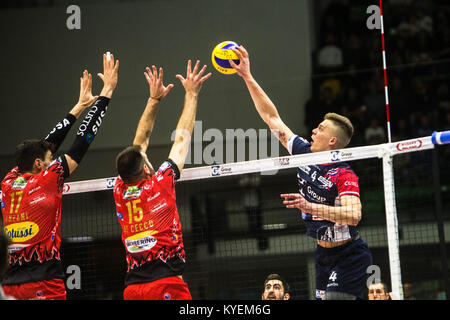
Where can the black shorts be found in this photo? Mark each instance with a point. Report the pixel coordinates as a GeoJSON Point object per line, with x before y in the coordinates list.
{"type": "Point", "coordinates": [343, 269]}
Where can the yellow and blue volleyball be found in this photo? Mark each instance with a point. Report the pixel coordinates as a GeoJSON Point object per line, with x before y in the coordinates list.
{"type": "Point", "coordinates": [221, 54]}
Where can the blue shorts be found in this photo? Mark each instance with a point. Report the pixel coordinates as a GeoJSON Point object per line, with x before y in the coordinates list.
{"type": "Point", "coordinates": [343, 269]}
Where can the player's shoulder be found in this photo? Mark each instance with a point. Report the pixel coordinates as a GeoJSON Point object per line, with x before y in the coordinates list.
{"type": "Point", "coordinates": [296, 145]}
{"type": "Point", "coordinates": [168, 168]}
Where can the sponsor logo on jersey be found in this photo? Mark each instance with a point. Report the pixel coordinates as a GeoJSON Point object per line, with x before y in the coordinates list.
{"type": "Point", "coordinates": [16, 247]}
{"type": "Point", "coordinates": [154, 196]}
{"type": "Point", "coordinates": [22, 231]}
{"type": "Point", "coordinates": [325, 182]}
{"type": "Point", "coordinates": [132, 192]}
{"type": "Point", "coordinates": [19, 184]}
{"type": "Point", "coordinates": [315, 196]}
{"type": "Point", "coordinates": [351, 183]}
{"type": "Point", "coordinates": [141, 242]}
{"type": "Point", "coordinates": [166, 165]}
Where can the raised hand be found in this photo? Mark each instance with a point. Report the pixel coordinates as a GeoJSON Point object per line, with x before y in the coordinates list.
{"type": "Point", "coordinates": [194, 79]}
{"type": "Point", "coordinates": [243, 68]}
{"type": "Point", "coordinates": [110, 75]}
{"type": "Point", "coordinates": [155, 81]}
{"type": "Point", "coordinates": [86, 98]}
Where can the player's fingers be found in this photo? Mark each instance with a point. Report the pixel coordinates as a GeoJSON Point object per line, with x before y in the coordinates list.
{"type": "Point", "coordinates": [147, 77]}
{"type": "Point", "coordinates": [196, 67]}
{"type": "Point", "coordinates": [243, 50]}
{"type": "Point", "coordinates": [237, 52]}
{"type": "Point", "coordinates": [110, 61]}
{"type": "Point", "coordinates": [101, 76]}
{"type": "Point", "coordinates": [116, 67]}
{"type": "Point", "coordinates": [188, 71]}
{"type": "Point", "coordinates": [205, 77]}
{"type": "Point", "coordinates": [232, 64]}
{"type": "Point", "coordinates": [202, 71]}
{"type": "Point", "coordinates": [161, 74]}
{"type": "Point", "coordinates": [180, 77]}
{"type": "Point", "coordinates": [168, 88]}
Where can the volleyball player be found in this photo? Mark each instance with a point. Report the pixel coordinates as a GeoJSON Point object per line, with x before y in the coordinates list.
{"type": "Point", "coordinates": [146, 202]}
{"type": "Point", "coordinates": [32, 193]}
{"type": "Point", "coordinates": [275, 288]}
{"type": "Point", "coordinates": [328, 199]}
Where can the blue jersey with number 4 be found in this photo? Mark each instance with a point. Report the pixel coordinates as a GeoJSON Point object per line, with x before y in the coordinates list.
{"type": "Point", "coordinates": [324, 184]}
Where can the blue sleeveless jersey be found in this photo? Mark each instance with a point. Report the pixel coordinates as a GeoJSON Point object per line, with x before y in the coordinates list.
{"type": "Point", "coordinates": [324, 184]}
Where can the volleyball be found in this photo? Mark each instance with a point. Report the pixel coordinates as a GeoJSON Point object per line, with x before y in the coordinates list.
{"type": "Point", "coordinates": [221, 54]}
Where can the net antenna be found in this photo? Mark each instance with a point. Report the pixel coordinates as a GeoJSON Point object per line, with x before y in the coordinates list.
{"type": "Point", "coordinates": [386, 94]}
{"type": "Point", "coordinates": [389, 191]}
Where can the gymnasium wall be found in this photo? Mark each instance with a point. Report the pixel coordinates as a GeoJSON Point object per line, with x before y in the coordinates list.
{"type": "Point", "coordinates": [42, 60]}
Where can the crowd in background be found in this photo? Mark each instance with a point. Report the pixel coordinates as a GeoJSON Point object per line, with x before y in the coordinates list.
{"type": "Point", "coordinates": [348, 69]}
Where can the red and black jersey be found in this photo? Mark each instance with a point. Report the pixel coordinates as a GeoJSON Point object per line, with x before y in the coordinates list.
{"type": "Point", "coordinates": [151, 229]}
{"type": "Point", "coordinates": [31, 210]}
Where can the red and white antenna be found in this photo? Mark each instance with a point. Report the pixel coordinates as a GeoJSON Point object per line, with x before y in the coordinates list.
{"type": "Point", "coordinates": [385, 73]}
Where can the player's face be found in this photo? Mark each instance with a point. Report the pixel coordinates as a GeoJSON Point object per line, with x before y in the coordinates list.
{"type": "Point", "coordinates": [274, 291]}
{"type": "Point", "coordinates": [377, 292]}
{"type": "Point", "coordinates": [322, 138]}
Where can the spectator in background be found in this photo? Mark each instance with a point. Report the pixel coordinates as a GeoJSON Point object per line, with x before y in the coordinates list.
{"type": "Point", "coordinates": [379, 291]}
{"type": "Point", "coordinates": [354, 52]}
{"type": "Point", "coordinates": [275, 288]}
{"type": "Point", "coordinates": [375, 133]}
{"type": "Point", "coordinates": [443, 97]}
{"type": "Point", "coordinates": [424, 126]}
{"type": "Point", "coordinates": [400, 129]}
{"type": "Point", "coordinates": [330, 56]}
{"type": "Point", "coordinates": [446, 124]}
{"type": "Point", "coordinates": [374, 100]}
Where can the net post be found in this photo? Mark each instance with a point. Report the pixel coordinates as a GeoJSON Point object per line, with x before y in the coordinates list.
{"type": "Point", "coordinates": [392, 227]}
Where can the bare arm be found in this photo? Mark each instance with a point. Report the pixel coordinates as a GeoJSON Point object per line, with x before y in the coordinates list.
{"type": "Point", "coordinates": [192, 84]}
{"type": "Point", "coordinates": [263, 104]}
{"type": "Point", "coordinates": [157, 92]}
{"type": "Point", "coordinates": [349, 212]}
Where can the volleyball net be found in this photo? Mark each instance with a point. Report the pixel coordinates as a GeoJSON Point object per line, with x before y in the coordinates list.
{"type": "Point", "coordinates": [236, 230]}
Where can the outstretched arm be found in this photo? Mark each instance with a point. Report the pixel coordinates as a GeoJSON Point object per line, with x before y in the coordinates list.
{"type": "Point", "coordinates": [192, 84]}
{"type": "Point", "coordinates": [157, 92]}
{"type": "Point", "coordinates": [93, 120]}
{"type": "Point", "coordinates": [59, 132]}
{"type": "Point", "coordinates": [263, 104]}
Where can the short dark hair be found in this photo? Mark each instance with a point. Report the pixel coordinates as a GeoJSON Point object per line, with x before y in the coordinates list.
{"type": "Point", "coordinates": [4, 242]}
{"type": "Point", "coordinates": [275, 276]}
{"type": "Point", "coordinates": [29, 150]}
{"type": "Point", "coordinates": [129, 163]}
